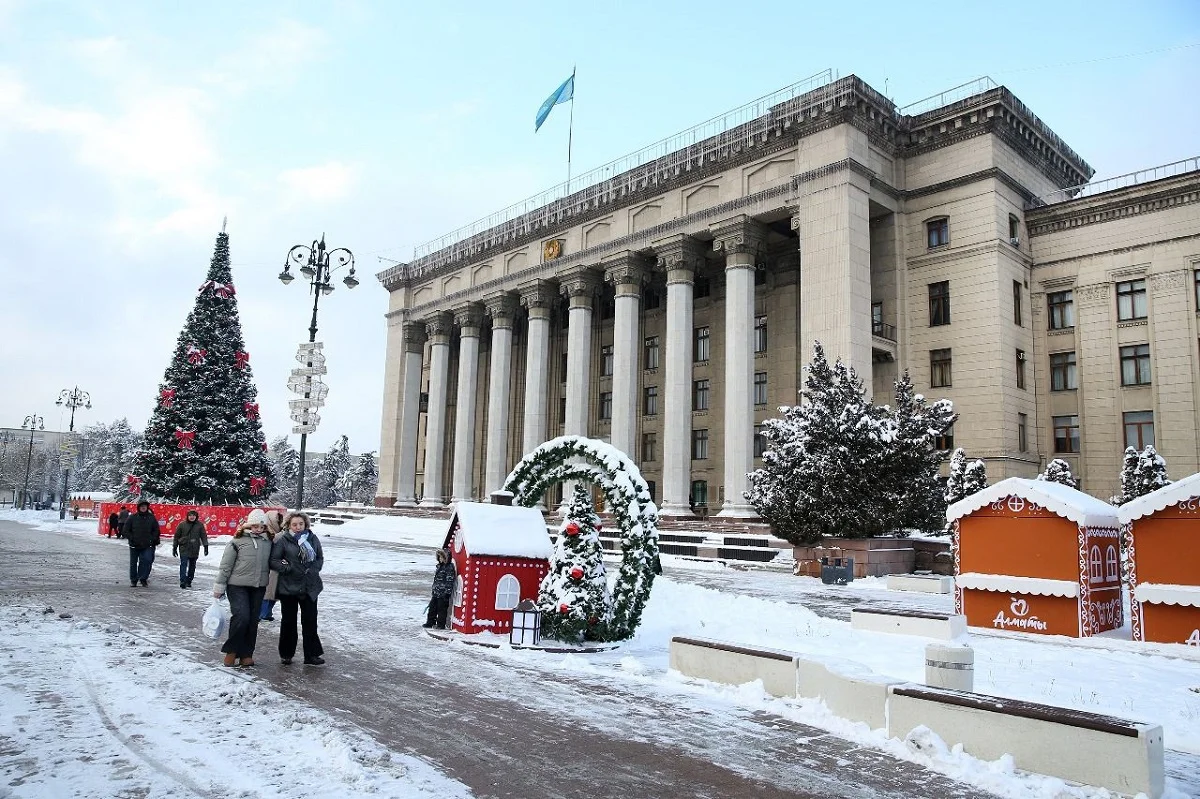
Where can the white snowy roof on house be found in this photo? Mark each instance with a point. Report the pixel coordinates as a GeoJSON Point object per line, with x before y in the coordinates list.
{"type": "Point", "coordinates": [1067, 502]}
{"type": "Point", "coordinates": [1165, 497]}
{"type": "Point", "coordinates": [1167, 594]}
{"type": "Point", "coordinates": [504, 530]}
{"type": "Point", "coordinates": [1012, 584]}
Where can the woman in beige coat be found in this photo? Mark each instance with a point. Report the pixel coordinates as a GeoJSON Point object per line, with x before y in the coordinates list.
{"type": "Point", "coordinates": [274, 525]}
{"type": "Point", "coordinates": [243, 576]}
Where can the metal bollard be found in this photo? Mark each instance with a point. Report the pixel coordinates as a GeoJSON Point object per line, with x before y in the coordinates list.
{"type": "Point", "coordinates": [950, 666]}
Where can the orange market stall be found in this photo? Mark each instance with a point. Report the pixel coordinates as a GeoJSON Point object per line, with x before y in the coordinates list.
{"type": "Point", "coordinates": [1037, 557]}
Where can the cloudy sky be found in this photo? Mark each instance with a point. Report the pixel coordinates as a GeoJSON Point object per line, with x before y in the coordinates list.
{"type": "Point", "coordinates": [129, 130]}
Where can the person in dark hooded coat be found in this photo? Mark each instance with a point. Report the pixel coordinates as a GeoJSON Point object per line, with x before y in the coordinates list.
{"type": "Point", "coordinates": [443, 590]}
{"type": "Point", "coordinates": [298, 557]}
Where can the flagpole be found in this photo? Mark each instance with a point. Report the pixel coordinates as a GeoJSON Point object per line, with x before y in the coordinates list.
{"type": "Point", "coordinates": [570, 130]}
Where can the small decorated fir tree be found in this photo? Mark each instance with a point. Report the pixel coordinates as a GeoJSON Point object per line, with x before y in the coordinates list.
{"type": "Point", "coordinates": [574, 598]}
{"type": "Point", "coordinates": [204, 442]}
{"type": "Point", "coordinates": [1058, 471]}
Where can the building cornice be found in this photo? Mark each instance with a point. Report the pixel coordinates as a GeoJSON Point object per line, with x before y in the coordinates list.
{"type": "Point", "coordinates": [1116, 250]}
{"type": "Point", "coordinates": [1146, 198]}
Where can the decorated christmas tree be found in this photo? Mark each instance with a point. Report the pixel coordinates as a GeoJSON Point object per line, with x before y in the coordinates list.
{"type": "Point", "coordinates": [204, 443]}
{"type": "Point", "coordinates": [574, 596]}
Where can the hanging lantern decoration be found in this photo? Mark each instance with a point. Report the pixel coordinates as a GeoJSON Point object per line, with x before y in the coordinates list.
{"type": "Point", "coordinates": [167, 397]}
{"type": "Point", "coordinates": [185, 438]}
{"type": "Point", "coordinates": [251, 410]}
{"type": "Point", "coordinates": [257, 484]}
{"type": "Point", "coordinates": [572, 529]}
{"type": "Point", "coordinates": [576, 573]}
{"type": "Point", "coordinates": [241, 359]}
{"type": "Point", "coordinates": [196, 355]}
{"type": "Point", "coordinates": [134, 483]}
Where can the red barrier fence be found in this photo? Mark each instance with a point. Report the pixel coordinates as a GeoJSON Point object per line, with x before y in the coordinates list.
{"type": "Point", "coordinates": [217, 519]}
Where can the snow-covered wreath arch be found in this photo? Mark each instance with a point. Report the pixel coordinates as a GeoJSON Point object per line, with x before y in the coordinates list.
{"type": "Point", "coordinates": [569, 458]}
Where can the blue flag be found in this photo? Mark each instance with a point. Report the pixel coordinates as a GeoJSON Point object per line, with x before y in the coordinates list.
{"type": "Point", "coordinates": [560, 95]}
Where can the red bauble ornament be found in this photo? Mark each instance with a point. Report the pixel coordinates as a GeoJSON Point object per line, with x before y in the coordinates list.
{"type": "Point", "coordinates": [564, 608]}
{"type": "Point", "coordinates": [571, 529]}
{"type": "Point", "coordinates": [166, 397]}
{"type": "Point", "coordinates": [257, 484]}
{"type": "Point", "coordinates": [185, 438]}
{"type": "Point", "coordinates": [577, 573]}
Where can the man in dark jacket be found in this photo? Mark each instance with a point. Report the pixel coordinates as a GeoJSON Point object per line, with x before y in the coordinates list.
{"type": "Point", "coordinates": [141, 530]}
{"type": "Point", "coordinates": [122, 518]}
{"type": "Point", "coordinates": [114, 524]}
{"type": "Point", "coordinates": [443, 589]}
{"type": "Point", "coordinates": [189, 537]}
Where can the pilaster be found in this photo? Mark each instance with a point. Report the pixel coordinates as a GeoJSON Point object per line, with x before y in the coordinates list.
{"type": "Point", "coordinates": [625, 272]}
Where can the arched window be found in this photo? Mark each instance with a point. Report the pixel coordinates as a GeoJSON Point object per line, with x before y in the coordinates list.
{"type": "Point", "coordinates": [1112, 563]}
{"type": "Point", "coordinates": [1097, 570]}
{"type": "Point", "coordinates": [508, 593]}
{"type": "Point", "coordinates": [458, 591]}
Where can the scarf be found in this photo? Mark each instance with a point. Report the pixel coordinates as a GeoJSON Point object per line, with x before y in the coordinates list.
{"type": "Point", "coordinates": [307, 553]}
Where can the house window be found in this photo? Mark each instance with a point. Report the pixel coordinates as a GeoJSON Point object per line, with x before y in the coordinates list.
{"type": "Point", "coordinates": [1131, 300]}
{"type": "Point", "coordinates": [508, 592]}
{"type": "Point", "coordinates": [939, 368]}
{"type": "Point", "coordinates": [650, 400]}
{"type": "Point", "coordinates": [608, 308]}
{"type": "Point", "coordinates": [700, 395]}
{"type": "Point", "coordinates": [876, 318]}
{"type": "Point", "coordinates": [649, 447]}
{"type": "Point", "coordinates": [1017, 304]}
{"type": "Point", "coordinates": [939, 303]}
{"type": "Point", "coordinates": [1112, 569]}
{"type": "Point", "coordinates": [1139, 429]}
{"type": "Point", "coordinates": [458, 591]}
{"type": "Point", "coordinates": [1062, 309]}
{"type": "Point", "coordinates": [760, 275]}
{"type": "Point", "coordinates": [699, 494]}
{"type": "Point", "coordinates": [760, 334]}
{"type": "Point", "coordinates": [937, 232]}
{"type": "Point", "coordinates": [606, 405]}
{"type": "Point", "coordinates": [651, 352]}
{"type": "Point", "coordinates": [1096, 562]}
{"type": "Point", "coordinates": [606, 361]}
{"type": "Point", "coordinates": [760, 388]}
{"type": "Point", "coordinates": [1020, 368]}
{"type": "Point", "coordinates": [1062, 371]}
{"type": "Point", "coordinates": [1135, 365]}
{"type": "Point", "coordinates": [650, 300]}
{"type": "Point", "coordinates": [701, 288]}
{"type": "Point", "coordinates": [1022, 434]}
{"type": "Point", "coordinates": [760, 441]}
{"type": "Point", "coordinates": [945, 441]}
{"type": "Point", "coordinates": [1066, 434]}
{"type": "Point", "coordinates": [700, 344]}
{"type": "Point", "coordinates": [699, 445]}
{"type": "Point", "coordinates": [1014, 231]}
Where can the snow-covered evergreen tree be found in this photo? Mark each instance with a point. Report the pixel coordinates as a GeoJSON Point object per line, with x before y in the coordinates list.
{"type": "Point", "coordinates": [107, 454]}
{"type": "Point", "coordinates": [285, 465]}
{"type": "Point", "coordinates": [204, 442]}
{"type": "Point", "coordinates": [1141, 473]}
{"type": "Point", "coordinates": [908, 488]}
{"type": "Point", "coordinates": [321, 484]}
{"type": "Point", "coordinates": [573, 597]}
{"type": "Point", "coordinates": [1059, 471]}
{"type": "Point", "coordinates": [358, 483]}
{"type": "Point", "coordinates": [975, 479]}
{"type": "Point", "coordinates": [965, 477]}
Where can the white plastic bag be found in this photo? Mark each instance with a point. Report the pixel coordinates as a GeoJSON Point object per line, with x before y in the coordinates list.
{"type": "Point", "coordinates": [216, 619]}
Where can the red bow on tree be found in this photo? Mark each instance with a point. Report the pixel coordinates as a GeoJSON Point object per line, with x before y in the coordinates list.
{"type": "Point", "coordinates": [185, 438]}
{"type": "Point", "coordinates": [257, 484]}
{"type": "Point", "coordinates": [134, 482]}
{"type": "Point", "coordinates": [167, 396]}
{"type": "Point", "coordinates": [241, 359]}
{"type": "Point", "coordinates": [264, 446]}
{"type": "Point", "coordinates": [196, 354]}
{"type": "Point", "coordinates": [222, 290]}
{"type": "Point", "coordinates": [571, 529]}
{"type": "Point", "coordinates": [251, 410]}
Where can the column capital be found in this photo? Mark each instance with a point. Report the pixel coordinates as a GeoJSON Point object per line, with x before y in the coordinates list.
{"type": "Point", "coordinates": [678, 252]}
{"type": "Point", "coordinates": [439, 324]}
{"type": "Point", "coordinates": [414, 336]}
{"type": "Point", "coordinates": [537, 294]}
{"type": "Point", "coordinates": [501, 307]}
{"type": "Point", "coordinates": [468, 318]}
{"type": "Point", "coordinates": [626, 268]}
{"type": "Point", "coordinates": [738, 235]}
{"type": "Point", "coordinates": [580, 281]}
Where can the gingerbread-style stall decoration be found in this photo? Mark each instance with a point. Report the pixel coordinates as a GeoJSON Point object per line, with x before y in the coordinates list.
{"type": "Point", "coordinates": [500, 553]}
{"type": "Point", "coordinates": [1037, 557]}
{"type": "Point", "coordinates": [1162, 540]}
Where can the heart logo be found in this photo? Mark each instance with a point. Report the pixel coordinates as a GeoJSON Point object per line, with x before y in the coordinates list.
{"type": "Point", "coordinates": [1019, 607]}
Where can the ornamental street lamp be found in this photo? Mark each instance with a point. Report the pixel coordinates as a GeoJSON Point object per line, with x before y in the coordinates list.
{"type": "Point", "coordinates": [32, 422]}
{"type": "Point", "coordinates": [73, 398]}
{"type": "Point", "coordinates": [318, 265]}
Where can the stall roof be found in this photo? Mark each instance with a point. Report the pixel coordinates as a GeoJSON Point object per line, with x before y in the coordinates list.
{"type": "Point", "coordinates": [1067, 502]}
{"type": "Point", "coordinates": [1165, 497]}
{"type": "Point", "coordinates": [504, 530]}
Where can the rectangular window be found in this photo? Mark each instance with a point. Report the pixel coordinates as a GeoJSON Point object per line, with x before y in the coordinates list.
{"type": "Point", "coordinates": [562, 410]}
{"type": "Point", "coordinates": [701, 288]}
{"type": "Point", "coordinates": [939, 368]}
{"type": "Point", "coordinates": [939, 303]}
{"type": "Point", "coordinates": [649, 447]}
{"type": "Point", "coordinates": [938, 232]}
{"type": "Point", "coordinates": [1066, 434]}
{"type": "Point", "coordinates": [760, 275]}
{"type": "Point", "coordinates": [1139, 429]}
{"type": "Point", "coordinates": [1017, 304]}
{"type": "Point", "coordinates": [1062, 309]}
{"type": "Point", "coordinates": [650, 300]}
{"type": "Point", "coordinates": [606, 361]}
{"type": "Point", "coordinates": [760, 441]}
{"type": "Point", "coordinates": [606, 405]}
{"type": "Point", "coordinates": [1022, 432]}
{"type": "Point", "coordinates": [1062, 371]}
{"type": "Point", "coordinates": [650, 400]}
{"type": "Point", "coordinates": [700, 344]}
{"type": "Point", "coordinates": [699, 494]}
{"type": "Point", "coordinates": [760, 334]}
{"type": "Point", "coordinates": [1131, 300]}
{"type": "Point", "coordinates": [1135, 365]}
{"type": "Point", "coordinates": [946, 440]}
{"type": "Point", "coordinates": [1014, 231]}
{"type": "Point", "coordinates": [876, 317]}
{"type": "Point", "coordinates": [651, 353]}
{"type": "Point", "coordinates": [653, 486]}
{"type": "Point", "coordinates": [1020, 368]}
{"type": "Point", "coordinates": [760, 388]}
{"type": "Point", "coordinates": [699, 445]}
{"type": "Point", "coordinates": [700, 395]}
{"type": "Point", "coordinates": [1197, 277]}
{"type": "Point", "coordinates": [564, 367]}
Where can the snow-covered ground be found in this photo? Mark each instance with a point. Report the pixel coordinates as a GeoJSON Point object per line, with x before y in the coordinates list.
{"type": "Point", "coordinates": [74, 660]}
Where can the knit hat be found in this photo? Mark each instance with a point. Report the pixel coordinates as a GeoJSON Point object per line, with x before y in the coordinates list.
{"type": "Point", "coordinates": [257, 516]}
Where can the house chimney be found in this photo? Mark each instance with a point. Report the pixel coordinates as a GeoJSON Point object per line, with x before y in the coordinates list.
{"type": "Point", "coordinates": [502, 498]}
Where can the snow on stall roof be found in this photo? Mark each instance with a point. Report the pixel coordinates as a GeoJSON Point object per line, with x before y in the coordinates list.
{"type": "Point", "coordinates": [1168, 495]}
{"type": "Point", "coordinates": [1009, 583]}
{"type": "Point", "coordinates": [1067, 502]}
{"type": "Point", "coordinates": [1168, 594]}
{"type": "Point", "coordinates": [504, 530]}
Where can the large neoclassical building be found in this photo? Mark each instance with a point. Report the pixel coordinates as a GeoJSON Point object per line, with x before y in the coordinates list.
{"type": "Point", "coordinates": [668, 302]}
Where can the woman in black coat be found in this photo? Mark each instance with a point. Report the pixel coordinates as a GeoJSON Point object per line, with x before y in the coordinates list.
{"type": "Point", "coordinates": [297, 556]}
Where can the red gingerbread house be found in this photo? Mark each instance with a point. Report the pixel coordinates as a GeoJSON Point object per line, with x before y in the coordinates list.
{"type": "Point", "coordinates": [1037, 557]}
{"type": "Point", "coordinates": [1162, 537]}
{"type": "Point", "coordinates": [501, 553]}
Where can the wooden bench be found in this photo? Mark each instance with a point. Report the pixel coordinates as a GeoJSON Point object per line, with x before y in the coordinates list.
{"type": "Point", "coordinates": [942, 626]}
{"type": "Point", "coordinates": [1117, 754]}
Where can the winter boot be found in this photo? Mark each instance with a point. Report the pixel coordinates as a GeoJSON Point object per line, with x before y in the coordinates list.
{"type": "Point", "coordinates": [246, 662]}
{"type": "Point", "coordinates": [230, 659]}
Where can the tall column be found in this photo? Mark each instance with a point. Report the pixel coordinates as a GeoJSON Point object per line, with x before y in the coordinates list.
{"type": "Point", "coordinates": [625, 273]}
{"type": "Point", "coordinates": [410, 411]}
{"type": "Point", "coordinates": [438, 329]}
{"type": "Point", "coordinates": [468, 320]}
{"type": "Point", "coordinates": [739, 239]}
{"type": "Point", "coordinates": [579, 286]}
{"type": "Point", "coordinates": [393, 409]}
{"type": "Point", "coordinates": [679, 257]}
{"type": "Point", "coordinates": [537, 298]}
{"type": "Point", "coordinates": [501, 308]}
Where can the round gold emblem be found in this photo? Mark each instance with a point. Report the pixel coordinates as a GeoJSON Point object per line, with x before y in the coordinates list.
{"type": "Point", "coordinates": [551, 250]}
